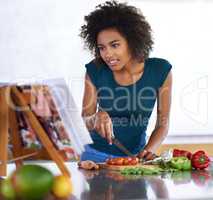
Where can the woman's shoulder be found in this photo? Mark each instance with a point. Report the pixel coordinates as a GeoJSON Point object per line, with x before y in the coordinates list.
{"type": "Point", "coordinates": [91, 65]}
{"type": "Point", "coordinates": [158, 61]}
{"type": "Point", "coordinates": [96, 72]}
{"type": "Point", "coordinates": [95, 65]}
{"type": "Point", "coordinates": [159, 68]}
{"type": "Point", "coordinates": [158, 64]}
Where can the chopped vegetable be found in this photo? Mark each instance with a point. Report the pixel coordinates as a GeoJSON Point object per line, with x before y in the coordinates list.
{"type": "Point", "coordinates": [181, 163]}
{"type": "Point", "coordinates": [123, 161]}
{"type": "Point", "coordinates": [182, 153]}
{"type": "Point", "coordinates": [200, 160]}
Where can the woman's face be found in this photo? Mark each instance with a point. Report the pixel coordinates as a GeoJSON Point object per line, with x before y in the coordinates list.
{"type": "Point", "coordinates": [114, 50]}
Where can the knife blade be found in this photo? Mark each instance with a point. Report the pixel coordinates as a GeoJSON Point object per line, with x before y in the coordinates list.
{"type": "Point", "coordinates": [118, 144]}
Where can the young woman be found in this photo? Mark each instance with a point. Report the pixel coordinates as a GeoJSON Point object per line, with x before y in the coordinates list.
{"type": "Point", "coordinates": [122, 83]}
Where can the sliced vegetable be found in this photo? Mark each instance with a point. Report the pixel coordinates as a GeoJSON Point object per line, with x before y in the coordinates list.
{"type": "Point", "coordinates": [182, 153]}
{"type": "Point", "coordinates": [119, 161]}
{"type": "Point", "coordinates": [200, 160]}
{"type": "Point", "coordinates": [123, 161]}
{"type": "Point", "coordinates": [127, 160]}
{"type": "Point", "coordinates": [181, 163]}
{"type": "Point", "coordinates": [134, 161]}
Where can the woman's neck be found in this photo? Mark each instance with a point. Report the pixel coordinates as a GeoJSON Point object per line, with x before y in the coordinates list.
{"type": "Point", "coordinates": [134, 68]}
{"type": "Point", "coordinates": [130, 74]}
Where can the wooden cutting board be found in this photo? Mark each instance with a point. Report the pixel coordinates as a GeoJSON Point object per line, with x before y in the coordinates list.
{"type": "Point", "coordinates": [121, 167]}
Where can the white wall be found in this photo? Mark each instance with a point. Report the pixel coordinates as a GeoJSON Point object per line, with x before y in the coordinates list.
{"type": "Point", "coordinates": [39, 39]}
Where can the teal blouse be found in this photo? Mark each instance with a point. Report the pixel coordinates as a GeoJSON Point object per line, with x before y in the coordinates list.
{"type": "Point", "coordinates": [129, 107]}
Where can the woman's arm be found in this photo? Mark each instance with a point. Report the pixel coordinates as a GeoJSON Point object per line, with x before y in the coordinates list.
{"type": "Point", "coordinates": [89, 106]}
{"type": "Point", "coordinates": [100, 121]}
{"type": "Point", "coordinates": [162, 122]}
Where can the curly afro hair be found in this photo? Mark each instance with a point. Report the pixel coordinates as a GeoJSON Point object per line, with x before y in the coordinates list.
{"type": "Point", "coordinates": [127, 20]}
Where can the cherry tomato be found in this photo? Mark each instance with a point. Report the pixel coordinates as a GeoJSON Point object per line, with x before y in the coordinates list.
{"type": "Point", "coordinates": [123, 161]}
{"type": "Point", "coordinates": [134, 161]}
{"type": "Point", "coordinates": [119, 161]}
{"type": "Point", "coordinates": [110, 161]}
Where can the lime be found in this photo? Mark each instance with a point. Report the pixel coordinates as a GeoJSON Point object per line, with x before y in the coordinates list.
{"type": "Point", "coordinates": [32, 182]}
{"type": "Point", "coordinates": [7, 189]}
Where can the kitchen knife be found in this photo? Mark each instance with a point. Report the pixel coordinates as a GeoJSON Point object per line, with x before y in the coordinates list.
{"type": "Point", "coordinates": [118, 144]}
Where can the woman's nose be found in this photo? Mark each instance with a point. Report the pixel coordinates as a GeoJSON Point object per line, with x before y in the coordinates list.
{"type": "Point", "coordinates": [108, 53]}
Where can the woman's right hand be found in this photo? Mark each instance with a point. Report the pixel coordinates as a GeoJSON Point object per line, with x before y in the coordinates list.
{"type": "Point", "coordinates": [103, 125]}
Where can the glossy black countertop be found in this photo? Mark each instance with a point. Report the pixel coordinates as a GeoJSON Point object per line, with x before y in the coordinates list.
{"type": "Point", "coordinates": [111, 185]}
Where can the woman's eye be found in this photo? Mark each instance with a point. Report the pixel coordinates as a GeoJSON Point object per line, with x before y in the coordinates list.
{"type": "Point", "coordinates": [100, 48]}
{"type": "Point", "coordinates": [115, 45]}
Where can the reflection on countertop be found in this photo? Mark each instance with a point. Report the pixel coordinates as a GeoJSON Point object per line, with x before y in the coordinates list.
{"type": "Point", "coordinates": [110, 185]}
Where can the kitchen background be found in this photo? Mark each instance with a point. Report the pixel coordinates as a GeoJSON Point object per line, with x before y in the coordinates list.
{"type": "Point", "coordinates": [39, 40]}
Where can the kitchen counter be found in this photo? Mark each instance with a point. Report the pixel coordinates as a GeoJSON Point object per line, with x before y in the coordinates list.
{"type": "Point", "coordinates": [110, 185]}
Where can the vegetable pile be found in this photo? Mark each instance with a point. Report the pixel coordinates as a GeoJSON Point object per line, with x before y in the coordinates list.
{"type": "Point", "coordinates": [182, 160]}
{"type": "Point", "coordinates": [199, 159]}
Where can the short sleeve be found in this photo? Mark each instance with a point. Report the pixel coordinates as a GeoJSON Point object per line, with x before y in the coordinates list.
{"type": "Point", "coordinates": [163, 68]}
{"type": "Point", "coordinates": [92, 71]}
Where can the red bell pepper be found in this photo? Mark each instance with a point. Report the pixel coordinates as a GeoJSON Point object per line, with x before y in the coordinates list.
{"type": "Point", "coordinates": [200, 160]}
{"type": "Point", "coordinates": [182, 153]}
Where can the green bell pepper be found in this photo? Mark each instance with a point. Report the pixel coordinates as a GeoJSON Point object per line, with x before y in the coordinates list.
{"type": "Point", "coordinates": [181, 163]}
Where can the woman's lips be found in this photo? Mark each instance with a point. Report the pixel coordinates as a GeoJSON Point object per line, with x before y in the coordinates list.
{"type": "Point", "coordinates": [113, 62]}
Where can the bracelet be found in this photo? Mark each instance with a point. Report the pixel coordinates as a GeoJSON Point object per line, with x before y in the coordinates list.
{"type": "Point", "coordinates": [88, 118]}
{"type": "Point", "coordinates": [90, 121]}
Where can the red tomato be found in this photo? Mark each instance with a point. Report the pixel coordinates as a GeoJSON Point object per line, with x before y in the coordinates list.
{"type": "Point", "coordinates": [110, 161]}
{"type": "Point", "coordinates": [127, 160]}
{"type": "Point", "coordinates": [134, 161]}
{"type": "Point", "coordinates": [119, 161]}
{"type": "Point", "coordinates": [122, 161]}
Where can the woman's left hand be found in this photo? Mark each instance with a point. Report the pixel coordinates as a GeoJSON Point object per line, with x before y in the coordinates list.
{"type": "Point", "coordinates": [146, 155]}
